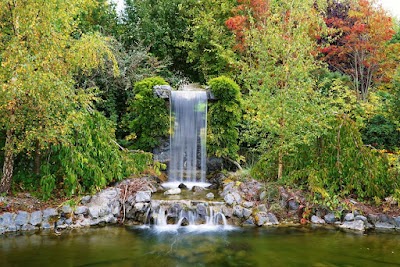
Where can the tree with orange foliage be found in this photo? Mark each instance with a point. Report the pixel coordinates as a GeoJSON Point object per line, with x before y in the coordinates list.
{"type": "Point", "coordinates": [247, 13]}
{"type": "Point", "coordinates": [358, 43]}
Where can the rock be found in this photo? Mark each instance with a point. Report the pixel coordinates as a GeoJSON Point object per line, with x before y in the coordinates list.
{"type": "Point", "coordinates": [349, 217]}
{"type": "Point", "coordinates": [85, 199]}
{"type": "Point", "coordinates": [214, 164]}
{"type": "Point", "coordinates": [143, 196]}
{"type": "Point", "coordinates": [330, 218]}
{"type": "Point", "coordinates": [238, 211]}
{"type": "Point", "coordinates": [22, 218]}
{"type": "Point", "coordinates": [248, 204]}
{"type": "Point", "coordinates": [229, 199]}
{"type": "Point", "coordinates": [262, 207]}
{"type": "Point", "coordinates": [249, 222]}
{"type": "Point", "coordinates": [68, 221]}
{"type": "Point", "coordinates": [7, 219]}
{"type": "Point", "coordinates": [94, 212]}
{"type": "Point", "coordinates": [237, 197]}
{"type": "Point", "coordinates": [139, 206]}
{"type": "Point", "coordinates": [81, 210]}
{"type": "Point", "coordinates": [46, 225]}
{"type": "Point", "coordinates": [397, 221]}
{"type": "Point", "coordinates": [373, 218]}
{"type": "Point", "coordinates": [173, 191]}
{"type": "Point", "coordinates": [228, 188]}
{"type": "Point", "coordinates": [272, 219]}
{"type": "Point", "coordinates": [36, 218]}
{"type": "Point", "coordinates": [28, 227]}
{"type": "Point", "coordinates": [317, 220]}
{"type": "Point", "coordinates": [361, 217]}
{"type": "Point", "coordinates": [182, 186]}
{"type": "Point", "coordinates": [384, 226]}
{"type": "Point", "coordinates": [197, 189]}
{"type": "Point", "coordinates": [263, 195]}
{"type": "Point", "coordinates": [66, 209]}
{"type": "Point", "coordinates": [201, 210]}
{"type": "Point", "coordinates": [210, 196]}
{"type": "Point", "coordinates": [353, 225]}
{"type": "Point", "coordinates": [227, 211]}
{"type": "Point", "coordinates": [247, 212]}
{"type": "Point", "coordinates": [162, 91]}
{"type": "Point", "coordinates": [384, 218]}
{"type": "Point", "coordinates": [264, 218]}
{"type": "Point", "coordinates": [49, 213]}
{"type": "Point", "coordinates": [293, 205]}
{"type": "Point", "coordinates": [2, 230]}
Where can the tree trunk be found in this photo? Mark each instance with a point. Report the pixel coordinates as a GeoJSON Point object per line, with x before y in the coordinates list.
{"type": "Point", "coordinates": [8, 167]}
{"type": "Point", "coordinates": [37, 163]}
{"type": "Point", "coordinates": [280, 165]}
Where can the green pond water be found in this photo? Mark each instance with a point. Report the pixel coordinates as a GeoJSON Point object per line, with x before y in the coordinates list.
{"type": "Point", "coordinates": [128, 246]}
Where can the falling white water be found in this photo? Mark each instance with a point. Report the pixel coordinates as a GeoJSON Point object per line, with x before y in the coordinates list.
{"type": "Point", "coordinates": [188, 137]}
{"type": "Point", "coordinates": [214, 220]}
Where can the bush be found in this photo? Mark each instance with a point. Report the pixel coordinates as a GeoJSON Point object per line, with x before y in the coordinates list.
{"type": "Point", "coordinates": [223, 118]}
{"type": "Point", "coordinates": [147, 117]}
{"type": "Point", "coordinates": [335, 164]}
{"type": "Point", "coordinates": [381, 133]}
{"type": "Point", "coordinates": [88, 159]}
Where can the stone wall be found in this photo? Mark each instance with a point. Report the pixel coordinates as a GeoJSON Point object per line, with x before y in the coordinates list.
{"type": "Point", "coordinates": [244, 204]}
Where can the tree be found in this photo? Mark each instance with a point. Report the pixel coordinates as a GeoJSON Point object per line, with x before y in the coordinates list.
{"type": "Point", "coordinates": [282, 107]}
{"type": "Point", "coordinates": [358, 45]}
{"type": "Point", "coordinates": [40, 51]}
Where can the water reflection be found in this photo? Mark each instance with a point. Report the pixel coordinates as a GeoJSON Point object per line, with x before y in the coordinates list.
{"type": "Point", "coordinates": [139, 246]}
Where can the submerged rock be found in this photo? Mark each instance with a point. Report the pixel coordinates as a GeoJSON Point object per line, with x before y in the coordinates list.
{"type": "Point", "coordinates": [357, 225]}
{"type": "Point", "coordinates": [173, 191]}
{"type": "Point", "coordinates": [210, 196]}
{"type": "Point", "coordinates": [197, 189]}
{"type": "Point", "coordinates": [182, 186]}
{"type": "Point", "coordinates": [384, 226]}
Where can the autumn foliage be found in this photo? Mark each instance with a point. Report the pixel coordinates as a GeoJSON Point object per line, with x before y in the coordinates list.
{"type": "Point", "coordinates": [358, 43]}
{"type": "Point", "coordinates": [247, 13]}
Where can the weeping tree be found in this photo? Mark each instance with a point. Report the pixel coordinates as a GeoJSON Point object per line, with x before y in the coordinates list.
{"type": "Point", "coordinates": [41, 50]}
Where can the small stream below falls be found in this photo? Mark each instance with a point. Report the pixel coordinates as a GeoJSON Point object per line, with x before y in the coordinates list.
{"type": "Point", "coordinates": [133, 246]}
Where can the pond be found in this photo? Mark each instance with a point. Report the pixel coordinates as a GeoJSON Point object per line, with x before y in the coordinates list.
{"type": "Point", "coordinates": [138, 246]}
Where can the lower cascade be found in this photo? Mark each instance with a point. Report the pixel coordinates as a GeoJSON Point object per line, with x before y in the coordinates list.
{"type": "Point", "coordinates": [166, 215]}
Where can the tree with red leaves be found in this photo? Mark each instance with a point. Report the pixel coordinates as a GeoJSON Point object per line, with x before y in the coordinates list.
{"type": "Point", "coordinates": [247, 13]}
{"type": "Point", "coordinates": [358, 43]}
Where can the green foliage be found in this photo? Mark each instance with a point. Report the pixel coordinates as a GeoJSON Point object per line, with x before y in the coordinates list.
{"type": "Point", "coordinates": [208, 41]}
{"type": "Point", "coordinates": [337, 164]}
{"type": "Point", "coordinates": [223, 118]}
{"type": "Point", "coordinates": [147, 117]}
{"type": "Point", "coordinates": [88, 159]}
{"type": "Point", "coordinates": [159, 25]}
{"type": "Point", "coordinates": [381, 133]}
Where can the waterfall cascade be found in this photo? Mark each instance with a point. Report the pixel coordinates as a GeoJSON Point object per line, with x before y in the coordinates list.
{"type": "Point", "coordinates": [188, 138]}
{"type": "Point", "coordinates": [170, 216]}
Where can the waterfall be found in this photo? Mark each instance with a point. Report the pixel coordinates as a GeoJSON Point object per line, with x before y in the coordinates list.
{"type": "Point", "coordinates": [188, 136]}
{"type": "Point", "coordinates": [187, 216]}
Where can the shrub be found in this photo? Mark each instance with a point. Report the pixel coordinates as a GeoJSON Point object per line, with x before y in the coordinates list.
{"type": "Point", "coordinates": [147, 117]}
{"type": "Point", "coordinates": [223, 118]}
{"type": "Point", "coordinates": [381, 133]}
